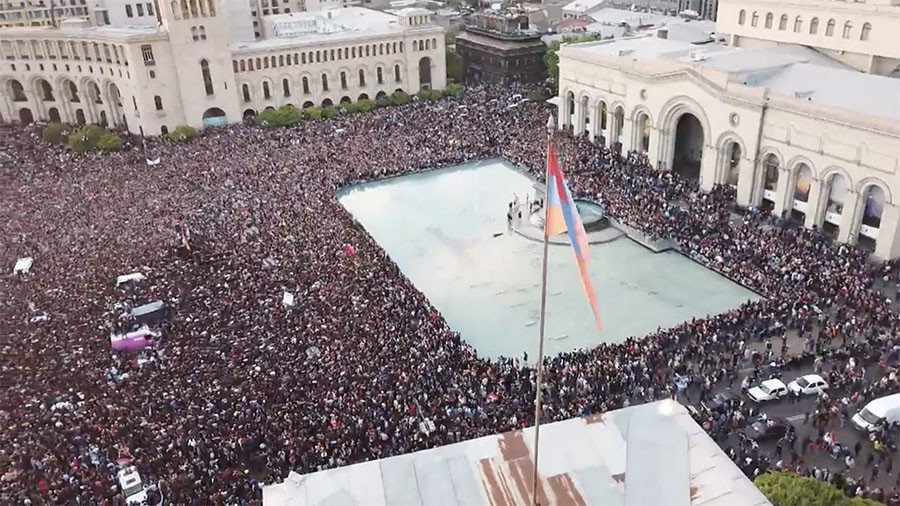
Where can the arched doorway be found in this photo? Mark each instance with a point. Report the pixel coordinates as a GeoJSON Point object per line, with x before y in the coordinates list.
{"type": "Point", "coordinates": [838, 186]}
{"type": "Point", "coordinates": [327, 103]}
{"type": "Point", "coordinates": [617, 127]}
{"type": "Point", "coordinates": [425, 73]}
{"type": "Point", "coordinates": [363, 97]}
{"type": "Point", "coordinates": [308, 104]}
{"type": "Point", "coordinates": [771, 170]}
{"type": "Point", "coordinates": [643, 127]}
{"type": "Point", "coordinates": [802, 182]}
{"type": "Point", "coordinates": [380, 95]}
{"type": "Point", "coordinates": [46, 91]}
{"type": "Point", "coordinates": [600, 136]}
{"type": "Point", "coordinates": [249, 114]}
{"type": "Point", "coordinates": [16, 91]}
{"type": "Point", "coordinates": [53, 113]}
{"type": "Point", "coordinates": [732, 163]}
{"type": "Point", "coordinates": [79, 117]}
{"type": "Point", "coordinates": [25, 116]}
{"type": "Point", "coordinates": [103, 120]}
{"type": "Point", "coordinates": [873, 198]}
{"type": "Point", "coordinates": [585, 116]}
{"type": "Point", "coordinates": [214, 117]}
{"type": "Point", "coordinates": [688, 154]}
{"type": "Point", "coordinates": [71, 91]}
{"type": "Point", "coordinates": [345, 100]}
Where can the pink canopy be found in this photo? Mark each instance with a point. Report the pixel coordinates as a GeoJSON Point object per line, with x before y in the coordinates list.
{"type": "Point", "coordinates": [132, 341]}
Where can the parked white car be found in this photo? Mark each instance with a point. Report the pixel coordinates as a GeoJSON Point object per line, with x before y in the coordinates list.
{"type": "Point", "coordinates": [132, 487]}
{"type": "Point", "coordinates": [768, 390]}
{"type": "Point", "coordinates": [811, 384]}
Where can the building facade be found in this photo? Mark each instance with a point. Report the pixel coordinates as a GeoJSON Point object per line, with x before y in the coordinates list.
{"type": "Point", "coordinates": [862, 34]}
{"type": "Point", "coordinates": [203, 65]}
{"type": "Point", "coordinates": [796, 135]}
{"type": "Point", "coordinates": [501, 48]}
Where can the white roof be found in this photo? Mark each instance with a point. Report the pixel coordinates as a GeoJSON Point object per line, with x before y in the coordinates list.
{"type": "Point", "coordinates": [634, 19]}
{"type": "Point", "coordinates": [812, 377]}
{"type": "Point", "coordinates": [583, 6]}
{"type": "Point", "coordinates": [649, 454]}
{"type": "Point", "coordinates": [773, 383]}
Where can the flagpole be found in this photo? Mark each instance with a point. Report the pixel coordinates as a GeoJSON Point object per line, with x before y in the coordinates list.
{"type": "Point", "coordinates": [540, 358]}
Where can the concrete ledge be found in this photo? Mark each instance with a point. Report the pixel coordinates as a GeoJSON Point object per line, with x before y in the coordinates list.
{"type": "Point", "coordinates": [657, 246]}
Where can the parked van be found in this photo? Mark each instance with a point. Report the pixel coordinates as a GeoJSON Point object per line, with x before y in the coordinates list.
{"type": "Point", "coordinates": [884, 409]}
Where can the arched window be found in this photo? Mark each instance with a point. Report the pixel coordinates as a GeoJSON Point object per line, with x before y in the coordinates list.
{"type": "Point", "coordinates": [318, 56]}
{"type": "Point", "coordinates": [195, 36]}
{"type": "Point", "coordinates": [331, 55]}
{"type": "Point", "coordinates": [202, 33]}
{"type": "Point", "coordinates": [353, 52]}
{"type": "Point", "coordinates": [754, 20]}
{"type": "Point", "coordinates": [325, 82]}
{"type": "Point", "coordinates": [343, 80]}
{"type": "Point", "coordinates": [212, 7]}
{"type": "Point", "coordinates": [245, 90]}
{"type": "Point", "coordinates": [394, 50]}
{"type": "Point", "coordinates": [250, 64]}
{"type": "Point", "coordinates": [864, 34]}
{"type": "Point", "coordinates": [829, 28]}
{"type": "Point", "coordinates": [281, 60]}
{"type": "Point", "coordinates": [286, 87]}
{"type": "Point", "coordinates": [742, 17]}
{"type": "Point", "coordinates": [798, 24]}
{"type": "Point", "coordinates": [401, 46]}
{"type": "Point", "coordinates": [303, 58]}
{"type": "Point", "coordinates": [814, 26]}
{"type": "Point", "coordinates": [259, 64]}
{"type": "Point", "coordinates": [362, 78]}
{"type": "Point", "coordinates": [207, 78]}
{"type": "Point", "coordinates": [157, 101]}
{"type": "Point", "coordinates": [397, 72]}
{"type": "Point", "coordinates": [848, 27]}
{"type": "Point", "coordinates": [234, 65]}
{"type": "Point", "coordinates": [266, 92]}
{"type": "Point", "coordinates": [18, 91]}
{"type": "Point", "coordinates": [243, 67]}
{"type": "Point", "coordinates": [306, 86]}
{"type": "Point", "coordinates": [769, 19]}
{"type": "Point", "coordinates": [782, 23]}
{"type": "Point", "coordinates": [379, 75]}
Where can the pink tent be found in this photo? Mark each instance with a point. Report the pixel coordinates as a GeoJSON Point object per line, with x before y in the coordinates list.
{"type": "Point", "coordinates": [132, 341]}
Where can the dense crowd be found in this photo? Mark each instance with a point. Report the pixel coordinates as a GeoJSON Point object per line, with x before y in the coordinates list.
{"type": "Point", "coordinates": [239, 389]}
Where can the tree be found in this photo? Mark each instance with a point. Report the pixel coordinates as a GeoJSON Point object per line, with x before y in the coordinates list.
{"type": "Point", "coordinates": [551, 58]}
{"type": "Point", "coordinates": [286, 115]}
{"type": "Point", "coordinates": [54, 133]}
{"type": "Point", "coordinates": [109, 142]}
{"type": "Point", "coordinates": [94, 138]}
{"type": "Point", "coordinates": [183, 133]}
{"type": "Point", "coordinates": [312, 113]}
{"type": "Point", "coordinates": [788, 489]}
{"type": "Point", "coordinates": [454, 67]}
{"type": "Point", "coordinates": [399, 98]}
{"type": "Point", "coordinates": [454, 90]}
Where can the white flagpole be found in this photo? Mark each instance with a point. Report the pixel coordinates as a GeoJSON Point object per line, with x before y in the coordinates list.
{"type": "Point", "coordinates": [540, 358]}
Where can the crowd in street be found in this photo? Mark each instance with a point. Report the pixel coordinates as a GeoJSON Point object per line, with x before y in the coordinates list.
{"type": "Point", "coordinates": [240, 387]}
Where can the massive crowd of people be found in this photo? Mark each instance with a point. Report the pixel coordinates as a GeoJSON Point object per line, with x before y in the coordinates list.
{"type": "Point", "coordinates": [240, 388]}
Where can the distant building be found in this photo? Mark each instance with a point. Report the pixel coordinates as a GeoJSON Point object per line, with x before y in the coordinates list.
{"type": "Point", "coordinates": [500, 48]}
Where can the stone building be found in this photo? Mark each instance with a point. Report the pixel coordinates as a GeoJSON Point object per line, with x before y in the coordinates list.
{"type": "Point", "coordinates": [501, 48]}
{"type": "Point", "coordinates": [211, 62]}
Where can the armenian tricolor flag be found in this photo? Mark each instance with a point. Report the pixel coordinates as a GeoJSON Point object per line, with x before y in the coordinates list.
{"type": "Point", "coordinates": [562, 216]}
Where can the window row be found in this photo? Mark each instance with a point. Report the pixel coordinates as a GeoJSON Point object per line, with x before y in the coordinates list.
{"type": "Point", "coordinates": [138, 8]}
{"type": "Point", "coordinates": [319, 56]}
{"type": "Point", "coordinates": [198, 33]}
{"type": "Point", "coordinates": [187, 9]}
{"type": "Point", "coordinates": [324, 83]}
{"type": "Point", "coordinates": [64, 50]}
{"type": "Point", "coordinates": [78, 68]}
{"type": "Point", "coordinates": [813, 28]}
{"type": "Point", "coordinates": [424, 45]}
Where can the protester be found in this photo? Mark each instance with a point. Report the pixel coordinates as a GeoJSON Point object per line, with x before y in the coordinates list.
{"type": "Point", "coordinates": [241, 387]}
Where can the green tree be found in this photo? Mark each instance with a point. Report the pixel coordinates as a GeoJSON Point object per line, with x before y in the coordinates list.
{"type": "Point", "coordinates": [365, 105]}
{"type": "Point", "coordinates": [551, 58]}
{"type": "Point", "coordinates": [399, 98]}
{"type": "Point", "coordinates": [54, 133]}
{"type": "Point", "coordinates": [109, 142]}
{"type": "Point", "coordinates": [312, 113]}
{"type": "Point", "coordinates": [788, 489]}
{"type": "Point", "coordinates": [286, 115]}
{"type": "Point", "coordinates": [183, 133]}
{"type": "Point", "coordinates": [329, 112]}
{"type": "Point", "coordinates": [454, 90]}
{"type": "Point", "coordinates": [454, 67]}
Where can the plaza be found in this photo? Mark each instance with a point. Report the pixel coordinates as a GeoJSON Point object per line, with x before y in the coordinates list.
{"type": "Point", "coordinates": [441, 228]}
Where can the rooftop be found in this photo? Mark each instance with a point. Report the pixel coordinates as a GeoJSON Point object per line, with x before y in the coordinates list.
{"type": "Point", "coordinates": [583, 6]}
{"type": "Point", "coordinates": [787, 70]}
{"type": "Point", "coordinates": [604, 459]}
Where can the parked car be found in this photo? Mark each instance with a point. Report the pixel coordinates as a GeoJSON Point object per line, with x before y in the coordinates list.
{"type": "Point", "coordinates": [132, 486]}
{"type": "Point", "coordinates": [763, 430]}
{"type": "Point", "coordinates": [768, 390]}
{"type": "Point", "coordinates": [808, 385]}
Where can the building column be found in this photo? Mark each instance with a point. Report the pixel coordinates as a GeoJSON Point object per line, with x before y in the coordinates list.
{"type": "Point", "coordinates": [888, 244]}
{"type": "Point", "coordinates": [781, 193]}
{"type": "Point", "coordinates": [627, 135]}
{"type": "Point", "coordinates": [561, 115]}
{"type": "Point", "coordinates": [813, 203]}
{"type": "Point", "coordinates": [603, 116]}
{"type": "Point", "coordinates": [578, 127]}
{"type": "Point", "coordinates": [708, 162]}
{"type": "Point", "coordinates": [746, 179]}
{"type": "Point", "coordinates": [851, 209]}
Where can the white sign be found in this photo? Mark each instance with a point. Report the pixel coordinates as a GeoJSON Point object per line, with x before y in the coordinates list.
{"type": "Point", "coordinates": [799, 205]}
{"type": "Point", "coordinates": [833, 218]}
{"type": "Point", "coordinates": [23, 265]}
{"type": "Point", "coordinates": [769, 195]}
{"type": "Point", "coordinates": [870, 232]}
{"type": "Point", "coordinates": [287, 300]}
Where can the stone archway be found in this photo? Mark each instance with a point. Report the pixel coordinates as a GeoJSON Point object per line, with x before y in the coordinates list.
{"type": "Point", "coordinates": [600, 124]}
{"type": "Point", "coordinates": [731, 162]}
{"type": "Point", "coordinates": [25, 116]}
{"type": "Point", "coordinates": [872, 199]}
{"type": "Point", "coordinates": [45, 90]}
{"type": "Point", "coordinates": [569, 109]}
{"type": "Point", "coordinates": [327, 103]}
{"type": "Point", "coordinates": [53, 114]}
{"type": "Point", "coordinates": [687, 155]}
{"type": "Point", "coordinates": [802, 177]}
{"type": "Point", "coordinates": [425, 73]}
{"type": "Point", "coordinates": [640, 135]}
{"type": "Point", "coordinates": [771, 172]}
{"type": "Point", "coordinates": [214, 117]}
{"type": "Point", "coordinates": [837, 188]}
